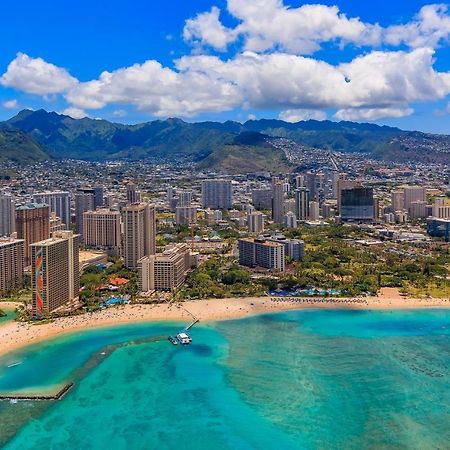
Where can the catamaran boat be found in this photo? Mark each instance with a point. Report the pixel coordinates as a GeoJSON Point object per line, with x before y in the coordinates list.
{"type": "Point", "coordinates": [183, 338]}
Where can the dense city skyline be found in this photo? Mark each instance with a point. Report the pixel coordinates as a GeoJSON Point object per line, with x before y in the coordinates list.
{"type": "Point", "coordinates": [220, 60]}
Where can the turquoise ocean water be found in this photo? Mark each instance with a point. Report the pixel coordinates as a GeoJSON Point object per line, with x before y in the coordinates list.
{"type": "Point", "coordinates": [295, 380]}
{"type": "Point", "coordinates": [10, 315]}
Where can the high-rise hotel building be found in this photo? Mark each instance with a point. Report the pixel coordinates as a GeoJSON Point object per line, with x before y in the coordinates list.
{"type": "Point", "coordinates": [33, 225]}
{"type": "Point", "coordinates": [11, 263]}
{"type": "Point", "coordinates": [55, 275]}
{"type": "Point", "coordinates": [164, 271]}
{"type": "Point", "coordinates": [139, 233]}
{"type": "Point", "coordinates": [101, 229]}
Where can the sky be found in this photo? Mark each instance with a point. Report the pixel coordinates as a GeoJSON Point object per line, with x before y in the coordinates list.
{"type": "Point", "coordinates": [131, 61]}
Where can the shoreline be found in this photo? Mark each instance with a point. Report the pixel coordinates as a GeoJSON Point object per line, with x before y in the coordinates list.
{"type": "Point", "coordinates": [15, 335]}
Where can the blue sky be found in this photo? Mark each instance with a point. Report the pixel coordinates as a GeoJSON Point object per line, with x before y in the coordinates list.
{"type": "Point", "coordinates": [386, 61]}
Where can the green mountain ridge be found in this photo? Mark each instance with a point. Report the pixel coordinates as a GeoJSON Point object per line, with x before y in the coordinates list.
{"type": "Point", "coordinates": [19, 147]}
{"type": "Point", "coordinates": [57, 136]}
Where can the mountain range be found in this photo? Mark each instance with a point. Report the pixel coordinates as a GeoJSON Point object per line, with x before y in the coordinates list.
{"type": "Point", "coordinates": [33, 136]}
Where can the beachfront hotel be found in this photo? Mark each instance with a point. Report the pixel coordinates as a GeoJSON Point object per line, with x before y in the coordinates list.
{"type": "Point", "coordinates": [261, 253]}
{"type": "Point", "coordinates": [55, 275]}
{"type": "Point", "coordinates": [139, 233]}
{"type": "Point", "coordinates": [164, 271]}
{"type": "Point", "coordinates": [11, 263]}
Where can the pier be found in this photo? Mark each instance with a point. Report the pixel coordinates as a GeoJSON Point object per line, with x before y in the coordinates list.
{"type": "Point", "coordinates": [192, 324]}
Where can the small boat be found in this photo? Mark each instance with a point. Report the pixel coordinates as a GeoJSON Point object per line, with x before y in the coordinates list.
{"type": "Point", "coordinates": [173, 340]}
{"type": "Point", "coordinates": [183, 338]}
{"type": "Point", "coordinates": [13, 401]}
{"type": "Point", "coordinates": [15, 364]}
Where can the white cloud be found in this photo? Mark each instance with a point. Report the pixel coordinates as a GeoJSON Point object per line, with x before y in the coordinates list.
{"type": "Point", "coordinates": [272, 25]}
{"type": "Point", "coordinates": [376, 84]}
{"type": "Point", "coordinates": [297, 115]}
{"type": "Point", "coordinates": [269, 24]}
{"type": "Point", "coordinates": [36, 76]}
{"type": "Point", "coordinates": [75, 113]}
{"type": "Point", "coordinates": [156, 89]}
{"type": "Point", "coordinates": [206, 29]}
{"type": "Point", "coordinates": [10, 104]}
{"type": "Point", "coordinates": [370, 114]}
{"type": "Point", "coordinates": [384, 81]}
{"type": "Point", "coordinates": [429, 28]}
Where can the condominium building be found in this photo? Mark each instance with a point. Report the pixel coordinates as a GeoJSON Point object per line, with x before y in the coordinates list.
{"type": "Point", "coordinates": [217, 194]}
{"type": "Point", "coordinates": [413, 194]}
{"type": "Point", "coordinates": [290, 220]}
{"type": "Point", "coordinates": [261, 253]}
{"type": "Point", "coordinates": [7, 215]}
{"type": "Point", "coordinates": [139, 233]}
{"type": "Point", "coordinates": [186, 215]}
{"type": "Point", "coordinates": [101, 230]}
{"type": "Point", "coordinates": [164, 271]}
{"type": "Point", "coordinates": [55, 275]}
{"type": "Point", "coordinates": [255, 222]}
{"type": "Point", "coordinates": [418, 209]}
{"type": "Point", "coordinates": [397, 200]}
{"type": "Point", "coordinates": [11, 263]}
{"type": "Point", "coordinates": [278, 203]}
{"type": "Point", "coordinates": [293, 248]}
{"type": "Point", "coordinates": [262, 198]}
{"type": "Point", "coordinates": [302, 204]}
{"type": "Point", "coordinates": [33, 225]}
{"type": "Point", "coordinates": [59, 203]}
{"type": "Point", "coordinates": [133, 196]}
{"type": "Point", "coordinates": [184, 198]}
{"type": "Point", "coordinates": [84, 201]}
{"type": "Point", "coordinates": [314, 211]}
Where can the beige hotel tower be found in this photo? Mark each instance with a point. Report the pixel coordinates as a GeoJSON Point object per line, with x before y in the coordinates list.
{"type": "Point", "coordinates": [139, 233]}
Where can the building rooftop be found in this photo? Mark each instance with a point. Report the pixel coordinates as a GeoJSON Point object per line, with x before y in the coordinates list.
{"type": "Point", "coordinates": [31, 206]}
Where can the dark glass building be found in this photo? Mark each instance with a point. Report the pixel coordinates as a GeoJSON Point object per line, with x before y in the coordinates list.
{"type": "Point", "coordinates": [357, 204]}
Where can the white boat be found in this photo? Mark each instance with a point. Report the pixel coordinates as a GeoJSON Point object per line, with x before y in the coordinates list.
{"type": "Point", "coordinates": [184, 338]}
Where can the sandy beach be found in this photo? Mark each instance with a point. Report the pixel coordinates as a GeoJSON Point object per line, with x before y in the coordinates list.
{"type": "Point", "coordinates": [14, 335]}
